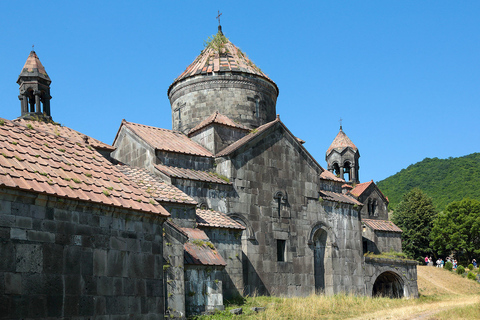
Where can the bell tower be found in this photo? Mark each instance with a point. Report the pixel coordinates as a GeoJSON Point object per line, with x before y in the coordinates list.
{"type": "Point", "coordinates": [342, 158]}
{"type": "Point", "coordinates": [34, 85]}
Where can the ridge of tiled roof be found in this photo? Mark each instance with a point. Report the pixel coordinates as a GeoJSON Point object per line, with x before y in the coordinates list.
{"type": "Point", "coordinates": [381, 225]}
{"type": "Point", "coordinates": [190, 174]}
{"type": "Point", "coordinates": [167, 140]}
{"type": "Point", "coordinates": [218, 118]}
{"type": "Point", "coordinates": [254, 133]}
{"type": "Point", "coordinates": [199, 250]}
{"type": "Point", "coordinates": [40, 162]}
{"type": "Point", "coordinates": [65, 132]}
{"type": "Point", "coordinates": [341, 142]}
{"type": "Point", "coordinates": [338, 197]}
{"type": "Point", "coordinates": [360, 188]}
{"type": "Point", "coordinates": [154, 186]}
{"type": "Point", "coordinates": [33, 67]}
{"type": "Point", "coordinates": [216, 219]}
{"type": "Point", "coordinates": [231, 59]}
{"type": "Point", "coordinates": [327, 175]}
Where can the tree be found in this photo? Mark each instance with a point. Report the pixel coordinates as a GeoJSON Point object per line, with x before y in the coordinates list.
{"type": "Point", "coordinates": [457, 229]}
{"type": "Point", "coordinates": [415, 215]}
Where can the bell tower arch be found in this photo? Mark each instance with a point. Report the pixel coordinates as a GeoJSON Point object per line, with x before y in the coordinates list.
{"type": "Point", "coordinates": [342, 158]}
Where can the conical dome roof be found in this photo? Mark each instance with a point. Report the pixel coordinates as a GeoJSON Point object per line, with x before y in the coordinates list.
{"type": "Point", "coordinates": [341, 142]}
{"type": "Point", "coordinates": [33, 67]}
{"type": "Point", "coordinates": [220, 55]}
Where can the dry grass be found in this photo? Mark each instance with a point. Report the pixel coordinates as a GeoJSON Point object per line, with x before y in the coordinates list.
{"type": "Point", "coordinates": [443, 295]}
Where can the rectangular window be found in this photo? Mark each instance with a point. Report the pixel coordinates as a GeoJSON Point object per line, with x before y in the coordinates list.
{"type": "Point", "coordinates": [281, 250]}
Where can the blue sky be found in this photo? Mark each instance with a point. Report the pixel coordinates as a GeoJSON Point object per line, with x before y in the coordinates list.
{"type": "Point", "coordinates": [403, 75]}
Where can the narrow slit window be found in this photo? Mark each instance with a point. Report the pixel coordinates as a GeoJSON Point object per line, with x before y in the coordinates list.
{"type": "Point", "coordinates": [281, 250]}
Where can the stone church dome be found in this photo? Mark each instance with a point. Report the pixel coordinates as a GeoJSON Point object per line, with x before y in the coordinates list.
{"type": "Point", "coordinates": [222, 78]}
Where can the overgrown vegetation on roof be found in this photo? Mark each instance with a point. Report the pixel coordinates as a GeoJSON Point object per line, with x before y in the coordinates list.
{"type": "Point", "coordinates": [216, 42]}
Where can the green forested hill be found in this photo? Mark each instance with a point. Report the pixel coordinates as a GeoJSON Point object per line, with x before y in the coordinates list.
{"type": "Point", "coordinates": [445, 180]}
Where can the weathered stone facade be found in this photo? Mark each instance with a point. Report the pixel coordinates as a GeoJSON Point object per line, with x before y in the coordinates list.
{"type": "Point", "coordinates": [63, 258]}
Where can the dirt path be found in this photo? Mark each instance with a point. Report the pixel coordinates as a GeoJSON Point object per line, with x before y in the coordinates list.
{"type": "Point", "coordinates": [423, 311]}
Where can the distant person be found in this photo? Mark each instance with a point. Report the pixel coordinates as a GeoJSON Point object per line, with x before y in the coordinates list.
{"type": "Point", "coordinates": [426, 260]}
{"type": "Point", "coordinates": [474, 262]}
{"type": "Point", "coordinates": [438, 262]}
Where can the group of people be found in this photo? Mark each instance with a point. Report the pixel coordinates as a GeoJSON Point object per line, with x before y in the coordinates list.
{"type": "Point", "coordinates": [440, 263]}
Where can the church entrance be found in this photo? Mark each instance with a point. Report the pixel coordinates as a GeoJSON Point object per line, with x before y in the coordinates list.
{"type": "Point", "coordinates": [389, 285]}
{"type": "Point", "coordinates": [321, 254]}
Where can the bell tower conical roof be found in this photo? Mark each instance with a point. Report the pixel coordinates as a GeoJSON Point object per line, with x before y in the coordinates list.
{"type": "Point", "coordinates": [222, 78]}
{"type": "Point", "coordinates": [343, 158]}
{"type": "Point", "coordinates": [341, 142]}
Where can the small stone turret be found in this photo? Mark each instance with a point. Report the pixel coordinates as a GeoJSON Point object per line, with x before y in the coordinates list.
{"type": "Point", "coordinates": [34, 89]}
{"type": "Point", "coordinates": [342, 158]}
{"type": "Point", "coordinates": [222, 78]}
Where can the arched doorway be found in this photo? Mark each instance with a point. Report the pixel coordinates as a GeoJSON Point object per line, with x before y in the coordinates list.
{"type": "Point", "coordinates": [388, 284]}
{"type": "Point", "coordinates": [321, 253]}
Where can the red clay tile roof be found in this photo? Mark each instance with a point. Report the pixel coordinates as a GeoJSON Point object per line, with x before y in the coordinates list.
{"type": "Point", "coordinates": [199, 250]}
{"type": "Point", "coordinates": [215, 219]}
{"type": "Point", "coordinates": [190, 174]}
{"type": "Point", "coordinates": [381, 225]}
{"type": "Point", "coordinates": [232, 59]}
{"type": "Point", "coordinates": [327, 175]}
{"type": "Point", "coordinates": [254, 133]}
{"type": "Point", "coordinates": [167, 140]}
{"type": "Point", "coordinates": [32, 66]}
{"type": "Point", "coordinates": [347, 186]}
{"type": "Point", "coordinates": [40, 162]}
{"type": "Point", "coordinates": [65, 132]}
{"type": "Point", "coordinates": [360, 188]}
{"type": "Point", "coordinates": [338, 197]}
{"type": "Point", "coordinates": [218, 118]}
{"type": "Point", "coordinates": [341, 142]}
{"type": "Point", "coordinates": [154, 186]}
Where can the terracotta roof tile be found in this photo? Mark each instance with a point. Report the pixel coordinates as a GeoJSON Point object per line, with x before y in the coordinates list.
{"type": "Point", "coordinates": [360, 188]}
{"type": "Point", "coordinates": [218, 118]}
{"type": "Point", "coordinates": [65, 132]}
{"type": "Point", "coordinates": [190, 174]}
{"type": "Point", "coordinates": [41, 162]}
{"type": "Point", "coordinates": [215, 219]}
{"type": "Point", "coordinates": [33, 66]}
{"type": "Point", "coordinates": [327, 175]}
{"type": "Point", "coordinates": [338, 197]}
{"type": "Point", "coordinates": [381, 225]}
{"type": "Point", "coordinates": [199, 250]}
{"type": "Point", "coordinates": [155, 186]}
{"type": "Point", "coordinates": [167, 140]}
{"type": "Point", "coordinates": [341, 142]}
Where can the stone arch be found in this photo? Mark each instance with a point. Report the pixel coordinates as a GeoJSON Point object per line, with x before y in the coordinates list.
{"type": "Point", "coordinates": [323, 243]}
{"type": "Point", "coordinates": [249, 233]}
{"type": "Point", "coordinates": [389, 284]}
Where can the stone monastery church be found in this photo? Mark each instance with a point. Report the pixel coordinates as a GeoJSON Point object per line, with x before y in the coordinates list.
{"type": "Point", "coordinates": [165, 222]}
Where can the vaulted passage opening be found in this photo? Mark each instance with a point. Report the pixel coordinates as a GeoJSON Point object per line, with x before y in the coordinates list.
{"type": "Point", "coordinates": [389, 285]}
{"type": "Point", "coordinates": [321, 254]}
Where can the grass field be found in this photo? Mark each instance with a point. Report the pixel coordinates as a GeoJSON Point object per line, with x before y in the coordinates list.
{"type": "Point", "coordinates": [443, 295]}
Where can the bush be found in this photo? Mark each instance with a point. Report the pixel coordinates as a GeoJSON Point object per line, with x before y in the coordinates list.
{"type": "Point", "coordinates": [460, 270]}
{"type": "Point", "coordinates": [472, 276]}
{"type": "Point", "coordinates": [448, 266]}
{"type": "Point", "coordinates": [470, 266]}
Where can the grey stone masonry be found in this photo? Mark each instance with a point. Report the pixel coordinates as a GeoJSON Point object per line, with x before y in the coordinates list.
{"type": "Point", "coordinates": [247, 99]}
{"type": "Point", "coordinates": [69, 259]}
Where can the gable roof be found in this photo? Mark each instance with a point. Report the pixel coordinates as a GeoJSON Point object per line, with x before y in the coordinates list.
{"type": "Point", "coordinates": [190, 174]}
{"type": "Point", "coordinates": [231, 59]}
{"type": "Point", "coordinates": [341, 142]}
{"type": "Point", "coordinates": [217, 118]}
{"type": "Point", "coordinates": [65, 132]}
{"type": "Point", "coordinates": [40, 162]}
{"type": "Point", "coordinates": [327, 175]}
{"type": "Point", "coordinates": [154, 186]}
{"type": "Point", "coordinates": [381, 225]}
{"type": "Point", "coordinates": [362, 187]}
{"type": "Point", "coordinates": [215, 219]}
{"type": "Point", "coordinates": [338, 197]}
{"type": "Point", "coordinates": [199, 250]}
{"type": "Point", "coordinates": [166, 140]}
{"type": "Point", "coordinates": [33, 67]}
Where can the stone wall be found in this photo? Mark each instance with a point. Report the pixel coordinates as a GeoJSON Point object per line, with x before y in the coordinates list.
{"type": "Point", "coordinates": [247, 99]}
{"type": "Point", "coordinates": [203, 288]}
{"type": "Point", "coordinates": [277, 163]}
{"type": "Point", "coordinates": [381, 209]}
{"type": "Point", "coordinates": [381, 241]}
{"type": "Point", "coordinates": [217, 137]}
{"type": "Point", "coordinates": [184, 160]}
{"type": "Point", "coordinates": [69, 259]}
{"type": "Point", "coordinates": [229, 245]}
{"type": "Point", "coordinates": [133, 151]}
